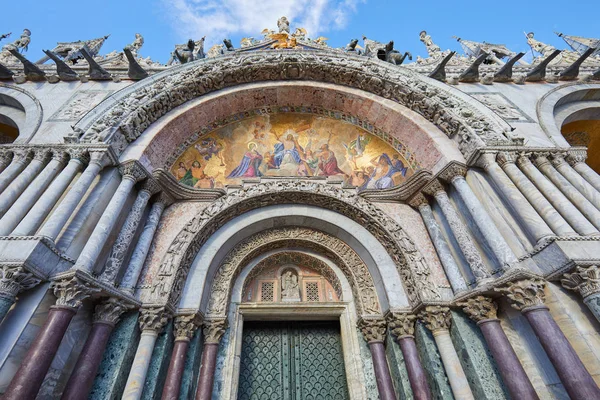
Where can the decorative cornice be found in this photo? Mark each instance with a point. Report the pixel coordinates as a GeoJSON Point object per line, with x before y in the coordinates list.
{"type": "Point", "coordinates": [479, 308]}
{"type": "Point", "coordinates": [71, 292]}
{"type": "Point", "coordinates": [401, 324]}
{"type": "Point", "coordinates": [436, 318]}
{"type": "Point", "coordinates": [525, 293]}
{"type": "Point", "coordinates": [153, 319]}
{"type": "Point", "coordinates": [15, 279]}
{"type": "Point", "coordinates": [186, 326]}
{"type": "Point", "coordinates": [110, 311]}
{"type": "Point", "coordinates": [373, 330]}
{"type": "Point", "coordinates": [214, 330]}
{"type": "Point", "coordinates": [585, 280]}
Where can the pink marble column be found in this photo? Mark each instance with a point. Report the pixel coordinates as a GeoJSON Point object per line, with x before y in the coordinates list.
{"type": "Point", "coordinates": [374, 332]}
{"type": "Point", "coordinates": [213, 332]}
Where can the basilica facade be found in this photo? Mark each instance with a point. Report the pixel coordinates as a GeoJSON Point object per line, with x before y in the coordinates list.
{"type": "Point", "coordinates": [284, 219]}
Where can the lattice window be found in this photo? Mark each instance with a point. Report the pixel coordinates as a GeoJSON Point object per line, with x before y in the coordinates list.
{"type": "Point", "coordinates": [267, 291]}
{"type": "Point", "coordinates": [312, 291]}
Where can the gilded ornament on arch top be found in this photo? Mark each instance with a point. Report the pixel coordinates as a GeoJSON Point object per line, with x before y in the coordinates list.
{"type": "Point", "coordinates": [153, 319]}
{"type": "Point", "coordinates": [585, 280]}
{"type": "Point", "coordinates": [373, 329]}
{"type": "Point", "coordinates": [109, 311]}
{"type": "Point", "coordinates": [506, 157]}
{"type": "Point", "coordinates": [214, 330]}
{"type": "Point", "coordinates": [133, 170]}
{"type": "Point", "coordinates": [401, 324]}
{"type": "Point", "coordinates": [186, 325]}
{"type": "Point", "coordinates": [524, 293]}
{"type": "Point", "coordinates": [479, 308]}
{"type": "Point", "coordinates": [575, 157]}
{"type": "Point", "coordinates": [15, 279]}
{"type": "Point", "coordinates": [71, 292]}
{"type": "Point", "coordinates": [453, 171]}
{"type": "Point", "coordinates": [434, 187]}
{"type": "Point", "coordinates": [436, 318]}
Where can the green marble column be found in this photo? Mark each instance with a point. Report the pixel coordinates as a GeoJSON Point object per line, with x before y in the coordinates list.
{"type": "Point", "coordinates": [398, 369]}
{"type": "Point", "coordinates": [118, 357]}
{"type": "Point", "coordinates": [159, 364]}
{"type": "Point", "coordinates": [432, 363]}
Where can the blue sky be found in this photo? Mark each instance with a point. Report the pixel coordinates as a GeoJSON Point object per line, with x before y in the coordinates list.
{"type": "Point", "coordinates": [164, 23]}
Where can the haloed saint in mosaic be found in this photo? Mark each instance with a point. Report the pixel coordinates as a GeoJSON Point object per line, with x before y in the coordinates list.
{"type": "Point", "coordinates": [292, 145]}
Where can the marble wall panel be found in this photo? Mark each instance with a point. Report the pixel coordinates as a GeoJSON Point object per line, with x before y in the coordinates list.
{"type": "Point", "coordinates": [159, 364]}
{"type": "Point", "coordinates": [432, 363]}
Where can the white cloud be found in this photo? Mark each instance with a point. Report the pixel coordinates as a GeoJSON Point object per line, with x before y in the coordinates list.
{"type": "Point", "coordinates": [219, 19]}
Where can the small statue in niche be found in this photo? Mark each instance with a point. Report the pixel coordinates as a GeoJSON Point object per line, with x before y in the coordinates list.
{"type": "Point", "coordinates": [290, 289]}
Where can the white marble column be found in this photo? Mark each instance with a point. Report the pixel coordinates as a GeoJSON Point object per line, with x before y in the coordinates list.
{"type": "Point", "coordinates": [32, 193]}
{"type": "Point", "coordinates": [115, 260]}
{"type": "Point", "coordinates": [556, 198]}
{"type": "Point", "coordinates": [6, 157]}
{"type": "Point", "coordinates": [131, 174]}
{"type": "Point", "coordinates": [552, 217]}
{"type": "Point", "coordinates": [21, 158]}
{"type": "Point", "coordinates": [62, 213]}
{"type": "Point", "coordinates": [35, 217]}
{"type": "Point", "coordinates": [459, 230]}
{"type": "Point", "coordinates": [152, 321]}
{"type": "Point", "coordinates": [138, 257]}
{"type": "Point", "coordinates": [20, 183]}
{"type": "Point", "coordinates": [534, 224]}
{"type": "Point", "coordinates": [437, 319]}
{"type": "Point", "coordinates": [575, 179]}
{"type": "Point", "coordinates": [453, 273]}
{"type": "Point", "coordinates": [576, 159]}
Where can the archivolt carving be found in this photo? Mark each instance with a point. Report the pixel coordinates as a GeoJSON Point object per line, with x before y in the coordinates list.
{"type": "Point", "coordinates": [409, 261]}
{"type": "Point", "coordinates": [136, 107]}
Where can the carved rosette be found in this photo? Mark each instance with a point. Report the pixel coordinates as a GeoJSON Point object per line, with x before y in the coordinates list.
{"type": "Point", "coordinates": [436, 318]}
{"type": "Point", "coordinates": [110, 311]}
{"type": "Point", "coordinates": [525, 293]}
{"type": "Point", "coordinates": [373, 329]}
{"type": "Point", "coordinates": [153, 319]}
{"type": "Point", "coordinates": [15, 279]}
{"type": "Point", "coordinates": [576, 156]}
{"type": "Point", "coordinates": [452, 172]}
{"type": "Point", "coordinates": [479, 308]}
{"type": "Point", "coordinates": [132, 170]}
{"type": "Point", "coordinates": [214, 330]}
{"type": "Point", "coordinates": [186, 326]}
{"type": "Point", "coordinates": [402, 324]}
{"type": "Point", "coordinates": [71, 292]}
{"type": "Point", "coordinates": [585, 280]}
{"type": "Point", "coordinates": [506, 157]}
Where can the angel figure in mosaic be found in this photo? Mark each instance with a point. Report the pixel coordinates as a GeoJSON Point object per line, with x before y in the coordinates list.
{"type": "Point", "coordinates": [209, 147]}
{"type": "Point", "coordinates": [356, 148]}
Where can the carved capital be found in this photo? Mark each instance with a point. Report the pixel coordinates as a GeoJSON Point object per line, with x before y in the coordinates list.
{"type": "Point", "coordinates": [486, 160]}
{"type": "Point", "coordinates": [22, 155]}
{"type": "Point", "coordinates": [72, 291]}
{"type": "Point", "coordinates": [436, 318]}
{"type": "Point", "coordinates": [165, 199]}
{"type": "Point", "coordinates": [523, 159]}
{"type": "Point", "coordinates": [557, 159]}
{"type": "Point", "coordinates": [6, 157]}
{"type": "Point", "coordinates": [525, 293]}
{"type": "Point", "coordinates": [153, 319]}
{"type": "Point", "coordinates": [506, 157]}
{"type": "Point", "coordinates": [151, 186]}
{"type": "Point", "coordinates": [100, 157]}
{"type": "Point", "coordinates": [42, 155]}
{"type": "Point", "coordinates": [576, 156]}
{"type": "Point", "coordinates": [78, 153]}
{"type": "Point", "coordinates": [373, 330]}
{"type": "Point", "coordinates": [15, 279]}
{"type": "Point", "coordinates": [479, 308]}
{"type": "Point", "coordinates": [452, 172]}
{"type": "Point", "coordinates": [418, 201]}
{"type": "Point", "coordinates": [132, 170]}
{"type": "Point", "coordinates": [541, 159]}
{"type": "Point", "coordinates": [186, 326]}
{"type": "Point", "coordinates": [110, 311]}
{"type": "Point", "coordinates": [60, 156]}
{"type": "Point", "coordinates": [402, 324]}
{"type": "Point", "coordinates": [434, 188]}
{"type": "Point", "coordinates": [214, 330]}
{"type": "Point", "coordinates": [585, 280]}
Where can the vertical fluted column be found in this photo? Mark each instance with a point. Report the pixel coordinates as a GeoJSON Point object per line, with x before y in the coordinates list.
{"type": "Point", "coordinates": [116, 257]}
{"type": "Point", "coordinates": [62, 213]}
{"type": "Point", "coordinates": [437, 319]}
{"type": "Point", "coordinates": [534, 224]}
{"type": "Point", "coordinates": [528, 297]}
{"type": "Point", "coordinates": [106, 316]}
{"type": "Point", "coordinates": [20, 183]}
{"type": "Point", "coordinates": [374, 332]}
{"type": "Point", "coordinates": [575, 179]}
{"type": "Point", "coordinates": [453, 273]}
{"type": "Point", "coordinates": [29, 377]}
{"type": "Point", "coordinates": [402, 326]}
{"type": "Point", "coordinates": [131, 174]}
{"type": "Point", "coordinates": [21, 158]}
{"type": "Point", "coordinates": [213, 332]}
{"type": "Point", "coordinates": [576, 159]}
{"type": "Point", "coordinates": [585, 281]}
{"type": "Point", "coordinates": [140, 252]}
{"type": "Point", "coordinates": [556, 222]}
{"type": "Point", "coordinates": [459, 230]}
{"type": "Point", "coordinates": [483, 311]}
{"type": "Point", "coordinates": [34, 218]}
{"type": "Point", "coordinates": [152, 321]}
{"type": "Point", "coordinates": [13, 280]}
{"type": "Point", "coordinates": [185, 328]}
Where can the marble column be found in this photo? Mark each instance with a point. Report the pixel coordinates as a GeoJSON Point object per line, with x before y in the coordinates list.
{"type": "Point", "coordinates": [5, 159]}
{"type": "Point", "coordinates": [13, 280]}
{"type": "Point", "coordinates": [453, 273]}
{"type": "Point", "coordinates": [585, 281]}
{"type": "Point", "coordinates": [402, 326]}
{"type": "Point", "coordinates": [21, 158]}
{"type": "Point", "coordinates": [185, 327]}
{"type": "Point", "coordinates": [29, 377]}
{"type": "Point", "coordinates": [575, 179]}
{"type": "Point", "coordinates": [459, 230]}
{"type": "Point", "coordinates": [483, 311]}
{"type": "Point", "coordinates": [374, 332]}
{"type": "Point", "coordinates": [106, 316]}
{"type": "Point", "coordinates": [35, 217]}
{"type": "Point", "coordinates": [131, 174]}
{"type": "Point", "coordinates": [528, 297]}
{"type": "Point", "coordinates": [503, 253]}
{"type": "Point", "coordinates": [140, 252]}
{"type": "Point", "coordinates": [534, 224]}
{"type": "Point", "coordinates": [64, 210]}
{"type": "Point", "coordinates": [115, 260]}
{"type": "Point", "coordinates": [213, 332]}
{"type": "Point", "coordinates": [576, 159]}
{"type": "Point", "coordinates": [22, 181]}
{"type": "Point", "coordinates": [152, 321]}
{"type": "Point", "coordinates": [437, 319]}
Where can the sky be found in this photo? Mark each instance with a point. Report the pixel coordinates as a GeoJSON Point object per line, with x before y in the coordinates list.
{"type": "Point", "coordinates": [164, 23]}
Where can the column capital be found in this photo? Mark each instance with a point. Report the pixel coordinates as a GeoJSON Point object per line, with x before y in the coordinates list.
{"type": "Point", "coordinates": [78, 153]}
{"type": "Point", "coordinates": [186, 326]}
{"type": "Point", "coordinates": [109, 311]}
{"type": "Point", "coordinates": [523, 159]}
{"type": "Point", "coordinates": [434, 187]}
{"type": "Point", "coordinates": [373, 329]}
{"type": "Point", "coordinates": [100, 157]}
{"type": "Point", "coordinates": [42, 154]}
{"type": "Point", "coordinates": [6, 156]}
{"type": "Point", "coordinates": [401, 324]}
{"type": "Point", "coordinates": [585, 280]}
{"type": "Point", "coordinates": [214, 330]}
{"type": "Point", "coordinates": [132, 170]}
{"type": "Point", "coordinates": [486, 159]}
{"type": "Point", "coordinates": [541, 159]}
{"type": "Point", "coordinates": [22, 154]}
{"type": "Point", "coordinates": [436, 318]}
{"type": "Point", "coordinates": [453, 171]}
{"type": "Point", "coordinates": [71, 292]}
{"type": "Point", "coordinates": [14, 279]}
{"type": "Point", "coordinates": [525, 293]}
{"type": "Point", "coordinates": [60, 155]}
{"type": "Point", "coordinates": [479, 308]}
{"type": "Point", "coordinates": [418, 201]}
{"type": "Point", "coordinates": [506, 157]}
{"type": "Point", "coordinates": [165, 199]}
{"type": "Point", "coordinates": [151, 186]}
{"type": "Point", "coordinates": [575, 157]}
{"type": "Point", "coordinates": [153, 319]}
{"type": "Point", "coordinates": [557, 159]}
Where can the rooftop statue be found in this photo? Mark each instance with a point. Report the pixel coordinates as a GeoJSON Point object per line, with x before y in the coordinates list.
{"type": "Point", "coordinates": [21, 45]}
{"type": "Point", "coordinates": [353, 47]}
{"type": "Point", "coordinates": [432, 49]}
{"type": "Point", "coordinates": [248, 42]}
{"type": "Point", "coordinates": [544, 50]}
{"type": "Point", "coordinates": [283, 24]}
{"type": "Point", "coordinates": [137, 44]}
{"type": "Point", "coordinates": [192, 50]}
{"type": "Point", "coordinates": [497, 53]}
{"type": "Point", "coordinates": [384, 52]}
{"type": "Point", "coordinates": [4, 36]}
{"type": "Point", "coordinates": [215, 51]}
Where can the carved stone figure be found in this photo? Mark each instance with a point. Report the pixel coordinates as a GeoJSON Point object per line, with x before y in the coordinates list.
{"type": "Point", "coordinates": [21, 45]}
{"type": "Point", "coordinates": [283, 24]}
{"type": "Point", "coordinates": [136, 45]}
{"type": "Point", "coordinates": [432, 49]}
{"type": "Point", "coordinates": [353, 47]}
{"type": "Point", "coordinates": [290, 290]}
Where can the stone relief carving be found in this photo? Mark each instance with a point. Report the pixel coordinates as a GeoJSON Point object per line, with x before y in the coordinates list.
{"type": "Point", "coordinates": [402, 324]}
{"type": "Point", "coordinates": [524, 293]}
{"type": "Point", "coordinates": [373, 330]}
{"type": "Point", "coordinates": [502, 106]}
{"type": "Point", "coordinates": [186, 326]}
{"type": "Point", "coordinates": [80, 103]}
{"type": "Point", "coordinates": [436, 318]}
{"type": "Point", "coordinates": [110, 311]}
{"type": "Point", "coordinates": [585, 280]}
{"type": "Point", "coordinates": [214, 330]}
{"type": "Point", "coordinates": [14, 279]}
{"type": "Point", "coordinates": [290, 289]}
{"type": "Point", "coordinates": [71, 292]}
{"type": "Point", "coordinates": [479, 308]}
{"type": "Point", "coordinates": [153, 319]}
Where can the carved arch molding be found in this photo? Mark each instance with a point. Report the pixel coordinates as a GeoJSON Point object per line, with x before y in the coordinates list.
{"type": "Point", "coordinates": [411, 265]}
{"type": "Point", "coordinates": [126, 114]}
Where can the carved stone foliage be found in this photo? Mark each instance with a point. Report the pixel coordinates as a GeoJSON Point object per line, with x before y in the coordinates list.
{"type": "Point", "coordinates": [153, 319]}
{"type": "Point", "coordinates": [186, 326]}
{"type": "Point", "coordinates": [525, 293]}
{"type": "Point", "coordinates": [479, 308]}
{"type": "Point", "coordinates": [214, 330]}
{"type": "Point", "coordinates": [453, 171]}
{"type": "Point", "coordinates": [402, 324]}
{"type": "Point", "coordinates": [142, 104]}
{"type": "Point", "coordinates": [336, 250]}
{"type": "Point", "coordinates": [373, 330]}
{"type": "Point", "coordinates": [15, 279]}
{"type": "Point", "coordinates": [411, 265]}
{"type": "Point", "coordinates": [72, 291]}
{"type": "Point", "coordinates": [132, 170]}
{"type": "Point", "coordinates": [436, 318]}
{"type": "Point", "coordinates": [110, 311]}
{"type": "Point", "coordinates": [576, 156]}
{"type": "Point", "coordinates": [585, 280]}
